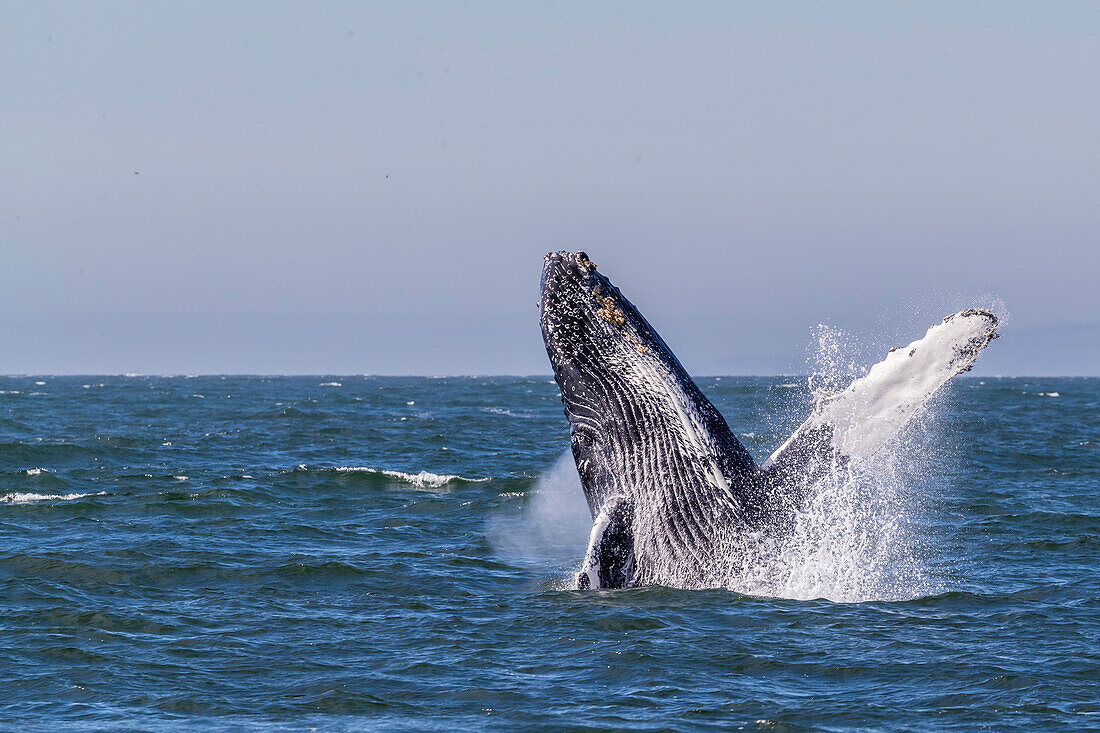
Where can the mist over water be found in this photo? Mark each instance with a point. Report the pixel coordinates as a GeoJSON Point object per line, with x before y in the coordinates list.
{"type": "Point", "coordinates": [550, 532]}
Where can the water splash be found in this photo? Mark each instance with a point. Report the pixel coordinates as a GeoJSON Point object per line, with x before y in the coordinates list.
{"type": "Point", "coordinates": [833, 363]}
{"type": "Point", "coordinates": [860, 536]}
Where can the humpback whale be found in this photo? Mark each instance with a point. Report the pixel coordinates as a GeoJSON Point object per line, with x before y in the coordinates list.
{"type": "Point", "coordinates": [671, 490]}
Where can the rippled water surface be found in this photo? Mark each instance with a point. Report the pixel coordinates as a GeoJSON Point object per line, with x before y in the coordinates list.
{"type": "Point", "coordinates": [390, 553]}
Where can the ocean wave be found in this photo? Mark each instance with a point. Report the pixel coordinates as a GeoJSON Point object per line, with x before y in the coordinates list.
{"type": "Point", "coordinates": [423, 479]}
{"type": "Point", "coordinates": [30, 498]}
{"type": "Point", "coordinates": [506, 412]}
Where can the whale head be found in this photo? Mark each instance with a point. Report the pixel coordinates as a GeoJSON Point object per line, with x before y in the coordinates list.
{"type": "Point", "coordinates": [588, 327]}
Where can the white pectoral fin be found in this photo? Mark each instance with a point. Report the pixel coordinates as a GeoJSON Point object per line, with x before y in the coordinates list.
{"type": "Point", "coordinates": [609, 562]}
{"type": "Point", "coordinates": [854, 424]}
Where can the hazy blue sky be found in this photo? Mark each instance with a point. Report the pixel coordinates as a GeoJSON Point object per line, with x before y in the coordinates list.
{"type": "Point", "coordinates": [370, 187]}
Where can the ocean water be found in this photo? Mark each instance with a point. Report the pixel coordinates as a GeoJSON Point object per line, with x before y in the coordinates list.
{"type": "Point", "coordinates": [350, 553]}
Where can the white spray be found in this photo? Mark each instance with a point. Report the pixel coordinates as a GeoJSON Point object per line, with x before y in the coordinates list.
{"type": "Point", "coordinates": [859, 535]}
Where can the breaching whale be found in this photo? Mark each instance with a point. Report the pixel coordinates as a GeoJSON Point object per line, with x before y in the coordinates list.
{"type": "Point", "coordinates": [669, 487]}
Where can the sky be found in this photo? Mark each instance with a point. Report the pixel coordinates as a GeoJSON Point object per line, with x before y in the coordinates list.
{"type": "Point", "coordinates": [370, 187]}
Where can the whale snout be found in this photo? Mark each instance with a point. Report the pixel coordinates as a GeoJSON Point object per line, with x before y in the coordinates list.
{"type": "Point", "coordinates": [564, 256]}
{"type": "Point", "coordinates": [581, 310]}
{"type": "Point", "coordinates": [567, 278]}
{"type": "Point", "coordinates": [565, 270]}
{"type": "Point", "coordinates": [577, 308]}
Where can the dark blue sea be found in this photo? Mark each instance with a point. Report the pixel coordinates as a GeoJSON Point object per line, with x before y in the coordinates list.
{"type": "Point", "coordinates": [377, 553]}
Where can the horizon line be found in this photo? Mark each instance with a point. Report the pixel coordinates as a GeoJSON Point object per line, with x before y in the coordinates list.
{"type": "Point", "coordinates": [182, 375]}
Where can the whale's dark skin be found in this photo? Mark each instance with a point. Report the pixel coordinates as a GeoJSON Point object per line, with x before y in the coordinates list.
{"type": "Point", "coordinates": [673, 494]}
{"type": "Point", "coordinates": [654, 455]}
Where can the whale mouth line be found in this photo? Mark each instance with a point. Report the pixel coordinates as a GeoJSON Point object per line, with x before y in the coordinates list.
{"type": "Point", "coordinates": [668, 485]}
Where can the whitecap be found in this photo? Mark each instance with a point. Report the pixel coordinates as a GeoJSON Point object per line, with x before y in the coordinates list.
{"type": "Point", "coordinates": [424, 479]}
{"type": "Point", "coordinates": [30, 498]}
{"type": "Point", "coordinates": [331, 384]}
{"type": "Point", "coordinates": [506, 412]}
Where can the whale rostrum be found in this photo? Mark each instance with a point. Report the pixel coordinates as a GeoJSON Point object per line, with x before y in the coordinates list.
{"type": "Point", "coordinates": [669, 487]}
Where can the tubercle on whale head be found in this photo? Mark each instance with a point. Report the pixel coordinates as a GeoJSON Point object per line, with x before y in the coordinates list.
{"type": "Point", "coordinates": [578, 303]}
